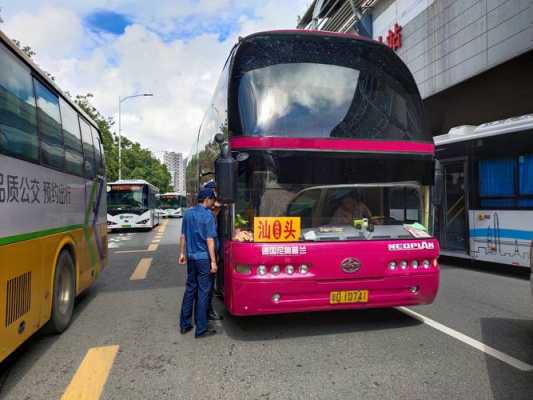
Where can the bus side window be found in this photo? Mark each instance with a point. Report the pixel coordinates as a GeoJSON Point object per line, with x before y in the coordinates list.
{"type": "Point", "coordinates": [102, 154]}
{"type": "Point", "coordinates": [98, 152]}
{"type": "Point", "coordinates": [72, 139]}
{"type": "Point", "coordinates": [18, 120]}
{"type": "Point", "coordinates": [49, 124]}
{"type": "Point", "coordinates": [88, 149]}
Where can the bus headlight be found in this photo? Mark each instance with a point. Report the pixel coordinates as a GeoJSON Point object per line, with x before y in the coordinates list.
{"type": "Point", "coordinates": [261, 270]}
{"type": "Point", "coordinates": [426, 264]}
{"type": "Point", "coordinates": [392, 265]}
{"type": "Point", "coordinates": [289, 269]}
{"type": "Point", "coordinates": [414, 264]}
{"type": "Point", "coordinates": [304, 269]}
{"type": "Point", "coordinates": [403, 264]}
{"type": "Point", "coordinates": [275, 270]}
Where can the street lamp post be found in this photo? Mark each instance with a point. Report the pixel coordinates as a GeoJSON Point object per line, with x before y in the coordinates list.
{"type": "Point", "coordinates": [120, 101]}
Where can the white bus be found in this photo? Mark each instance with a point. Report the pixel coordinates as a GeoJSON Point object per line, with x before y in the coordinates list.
{"type": "Point", "coordinates": [53, 237]}
{"type": "Point", "coordinates": [486, 192]}
{"type": "Point", "coordinates": [131, 204]}
{"type": "Point", "coordinates": [172, 205]}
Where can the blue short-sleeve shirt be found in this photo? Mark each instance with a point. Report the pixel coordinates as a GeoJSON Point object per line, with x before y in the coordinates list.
{"type": "Point", "coordinates": [198, 225]}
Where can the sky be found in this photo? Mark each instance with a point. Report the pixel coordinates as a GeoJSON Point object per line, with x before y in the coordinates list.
{"type": "Point", "coordinates": [113, 48]}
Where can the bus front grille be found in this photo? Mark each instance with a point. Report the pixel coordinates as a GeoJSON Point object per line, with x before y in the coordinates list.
{"type": "Point", "coordinates": [18, 299]}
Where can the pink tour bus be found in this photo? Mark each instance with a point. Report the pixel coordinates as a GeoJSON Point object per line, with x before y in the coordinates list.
{"type": "Point", "coordinates": [321, 157]}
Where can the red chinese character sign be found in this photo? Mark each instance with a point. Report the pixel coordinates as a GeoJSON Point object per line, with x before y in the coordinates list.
{"type": "Point", "coordinates": [277, 229]}
{"type": "Point", "coordinates": [394, 37]}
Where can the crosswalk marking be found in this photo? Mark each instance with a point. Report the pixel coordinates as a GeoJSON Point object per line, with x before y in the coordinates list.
{"type": "Point", "coordinates": [153, 247]}
{"type": "Point", "coordinates": [89, 380]}
{"type": "Point", "coordinates": [141, 270]}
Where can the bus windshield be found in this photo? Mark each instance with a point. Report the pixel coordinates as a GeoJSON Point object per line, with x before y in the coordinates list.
{"type": "Point", "coordinates": [127, 197]}
{"type": "Point", "coordinates": [315, 86]}
{"type": "Point", "coordinates": [168, 202]}
{"type": "Point", "coordinates": [333, 196]}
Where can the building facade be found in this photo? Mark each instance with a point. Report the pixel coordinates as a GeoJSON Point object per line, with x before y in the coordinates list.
{"type": "Point", "coordinates": [175, 165]}
{"type": "Point", "coordinates": [473, 63]}
{"type": "Point", "coordinates": [472, 59]}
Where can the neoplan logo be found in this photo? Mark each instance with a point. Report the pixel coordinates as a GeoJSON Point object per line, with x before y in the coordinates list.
{"type": "Point", "coordinates": [412, 246]}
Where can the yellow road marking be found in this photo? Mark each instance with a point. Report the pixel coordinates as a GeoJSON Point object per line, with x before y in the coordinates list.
{"type": "Point", "coordinates": [89, 380]}
{"type": "Point", "coordinates": [156, 240]}
{"type": "Point", "coordinates": [152, 247]}
{"type": "Point", "coordinates": [141, 270]}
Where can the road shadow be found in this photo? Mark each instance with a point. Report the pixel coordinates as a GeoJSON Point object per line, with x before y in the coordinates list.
{"type": "Point", "coordinates": [290, 326]}
{"type": "Point", "coordinates": [515, 338]}
{"type": "Point", "coordinates": [485, 267]}
{"type": "Point", "coordinates": [23, 359]}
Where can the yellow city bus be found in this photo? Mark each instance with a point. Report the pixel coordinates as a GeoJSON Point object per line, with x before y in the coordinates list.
{"type": "Point", "coordinates": [53, 235]}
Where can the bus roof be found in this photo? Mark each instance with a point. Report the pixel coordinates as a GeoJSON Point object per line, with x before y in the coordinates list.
{"type": "Point", "coordinates": [310, 32]}
{"type": "Point", "coordinates": [31, 64]}
{"type": "Point", "coordinates": [471, 132]}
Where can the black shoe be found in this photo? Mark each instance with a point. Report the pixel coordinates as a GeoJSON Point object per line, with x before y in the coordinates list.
{"type": "Point", "coordinates": [183, 331]}
{"type": "Point", "coordinates": [207, 333]}
{"type": "Point", "coordinates": [214, 316]}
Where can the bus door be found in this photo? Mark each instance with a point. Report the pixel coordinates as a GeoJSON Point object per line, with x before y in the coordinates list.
{"type": "Point", "coordinates": [453, 232]}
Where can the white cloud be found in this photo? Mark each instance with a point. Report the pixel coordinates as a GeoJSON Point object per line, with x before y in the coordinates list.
{"type": "Point", "coordinates": [182, 74]}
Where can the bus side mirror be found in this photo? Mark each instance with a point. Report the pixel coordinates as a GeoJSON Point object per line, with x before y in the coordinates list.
{"type": "Point", "coordinates": [438, 185]}
{"type": "Point", "coordinates": [225, 173]}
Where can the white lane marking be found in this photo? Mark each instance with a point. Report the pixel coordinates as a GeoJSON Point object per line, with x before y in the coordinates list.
{"type": "Point", "coordinates": [132, 251]}
{"type": "Point", "coordinates": [513, 362]}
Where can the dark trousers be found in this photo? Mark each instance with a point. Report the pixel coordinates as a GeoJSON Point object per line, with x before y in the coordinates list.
{"type": "Point", "coordinates": [210, 308]}
{"type": "Point", "coordinates": [196, 297]}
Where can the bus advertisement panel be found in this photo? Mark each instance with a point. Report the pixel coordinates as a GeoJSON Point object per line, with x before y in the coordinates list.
{"type": "Point", "coordinates": [53, 236]}
{"type": "Point", "coordinates": [333, 173]}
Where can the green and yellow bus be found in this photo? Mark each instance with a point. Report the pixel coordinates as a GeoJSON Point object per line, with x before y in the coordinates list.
{"type": "Point", "coordinates": [53, 235]}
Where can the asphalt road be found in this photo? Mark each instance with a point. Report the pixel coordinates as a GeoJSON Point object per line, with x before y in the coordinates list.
{"type": "Point", "coordinates": [376, 354]}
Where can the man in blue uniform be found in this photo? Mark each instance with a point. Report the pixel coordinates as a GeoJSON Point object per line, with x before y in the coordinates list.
{"type": "Point", "coordinates": [197, 249]}
{"type": "Point", "coordinates": [212, 315]}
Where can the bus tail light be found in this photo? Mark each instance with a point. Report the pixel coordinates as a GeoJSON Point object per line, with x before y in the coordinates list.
{"type": "Point", "coordinates": [243, 269]}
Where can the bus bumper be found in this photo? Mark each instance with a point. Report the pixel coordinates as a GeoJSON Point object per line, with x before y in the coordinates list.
{"type": "Point", "coordinates": [247, 297]}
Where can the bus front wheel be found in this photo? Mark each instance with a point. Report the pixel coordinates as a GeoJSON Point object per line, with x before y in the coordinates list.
{"type": "Point", "coordinates": [63, 295]}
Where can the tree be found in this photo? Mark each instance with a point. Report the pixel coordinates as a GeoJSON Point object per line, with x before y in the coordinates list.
{"type": "Point", "coordinates": [137, 162]}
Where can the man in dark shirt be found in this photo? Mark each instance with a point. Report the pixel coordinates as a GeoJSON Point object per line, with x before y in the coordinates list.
{"type": "Point", "coordinates": [212, 315]}
{"type": "Point", "coordinates": [197, 249]}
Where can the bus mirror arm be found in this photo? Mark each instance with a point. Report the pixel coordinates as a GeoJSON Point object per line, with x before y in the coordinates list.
{"type": "Point", "coordinates": [225, 172]}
